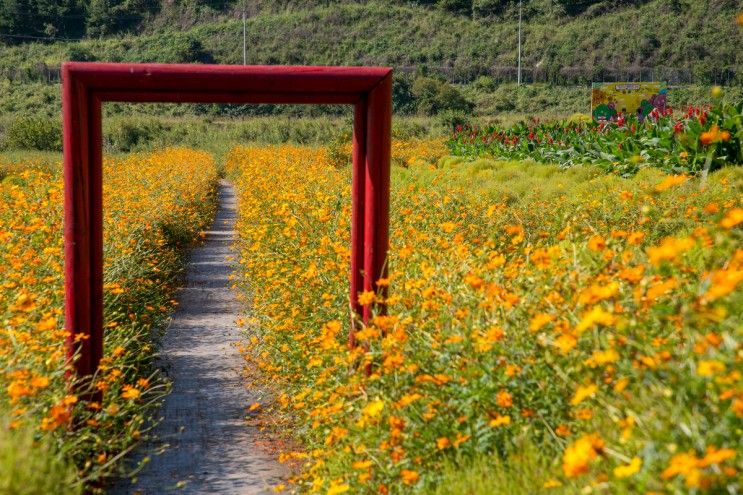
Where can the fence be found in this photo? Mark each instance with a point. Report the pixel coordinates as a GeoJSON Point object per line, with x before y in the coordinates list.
{"type": "Point", "coordinates": [725, 76]}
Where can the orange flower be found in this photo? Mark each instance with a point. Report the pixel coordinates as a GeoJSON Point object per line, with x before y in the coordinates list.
{"type": "Point", "coordinates": [366, 297]}
{"type": "Point", "coordinates": [732, 218]}
{"type": "Point", "coordinates": [671, 181]}
{"type": "Point", "coordinates": [504, 399]}
{"type": "Point", "coordinates": [596, 243]}
{"type": "Point", "coordinates": [579, 455]}
{"type": "Point", "coordinates": [669, 249]}
{"type": "Point", "coordinates": [409, 477]}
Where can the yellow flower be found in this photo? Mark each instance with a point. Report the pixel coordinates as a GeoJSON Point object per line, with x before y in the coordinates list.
{"type": "Point", "coordinates": [24, 302]}
{"type": "Point", "coordinates": [551, 483]}
{"type": "Point", "coordinates": [337, 488]}
{"type": "Point", "coordinates": [722, 283]}
{"type": "Point", "coordinates": [373, 409]}
{"type": "Point", "coordinates": [669, 249]}
{"type": "Point", "coordinates": [566, 342]}
{"type": "Point", "coordinates": [130, 392]}
{"type": "Point", "coordinates": [582, 393]}
{"type": "Point", "coordinates": [366, 297]}
{"type": "Point", "coordinates": [686, 465]}
{"type": "Point", "coordinates": [599, 358]}
{"type": "Point", "coordinates": [595, 316]}
{"type": "Point", "coordinates": [538, 321]}
{"type": "Point", "coordinates": [500, 421]}
{"type": "Point", "coordinates": [710, 368]}
{"type": "Point", "coordinates": [362, 464]}
{"type": "Point", "coordinates": [580, 454]}
{"type": "Point", "coordinates": [442, 443]}
{"type": "Point", "coordinates": [628, 470]}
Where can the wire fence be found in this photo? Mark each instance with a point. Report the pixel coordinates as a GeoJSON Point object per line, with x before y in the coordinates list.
{"type": "Point", "coordinates": [725, 76]}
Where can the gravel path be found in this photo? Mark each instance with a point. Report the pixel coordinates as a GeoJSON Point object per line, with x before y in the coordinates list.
{"type": "Point", "coordinates": [212, 448]}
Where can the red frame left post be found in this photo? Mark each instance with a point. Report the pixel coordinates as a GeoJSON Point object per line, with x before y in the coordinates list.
{"type": "Point", "coordinates": [85, 86]}
{"type": "Point", "coordinates": [83, 225]}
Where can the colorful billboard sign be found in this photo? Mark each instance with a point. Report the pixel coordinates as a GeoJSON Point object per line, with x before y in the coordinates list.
{"type": "Point", "coordinates": [609, 100]}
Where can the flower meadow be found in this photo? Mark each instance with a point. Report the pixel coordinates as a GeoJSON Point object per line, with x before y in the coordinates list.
{"type": "Point", "coordinates": [688, 141]}
{"type": "Point", "coordinates": [593, 317]}
{"type": "Point", "coordinates": [155, 205]}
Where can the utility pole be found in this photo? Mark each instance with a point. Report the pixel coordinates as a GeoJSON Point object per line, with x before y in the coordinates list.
{"type": "Point", "coordinates": [519, 69]}
{"type": "Point", "coordinates": [245, 41]}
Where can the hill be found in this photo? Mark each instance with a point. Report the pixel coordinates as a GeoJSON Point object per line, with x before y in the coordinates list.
{"type": "Point", "coordinates": [471, 43]}
{"type": "Point", "coordinates": [564, 41]}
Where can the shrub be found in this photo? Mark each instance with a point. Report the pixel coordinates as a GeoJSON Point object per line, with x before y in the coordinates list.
{"type": "Point", "coordinates": [34, 133]}
{"type": "Point", "coordinates": [434, 95]}
{"type": "Point", "coordinates": [131, 134]}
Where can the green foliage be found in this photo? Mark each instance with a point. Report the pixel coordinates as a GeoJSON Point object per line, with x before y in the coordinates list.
{"type": "Point", "coordinates": [111, 16]}
{"type": "Point", "coordinates": [32, 466]}
{"type": "Point", "coordinates": [28, 19]}
{"type": "Point", "coordinates": [451, 119]}
{"type": "Point", "coordinates": [434, 96]}
{"type": "Point", "coordinates": [403, 100]}
{"type": "Point", "coordinates": [36, 133]}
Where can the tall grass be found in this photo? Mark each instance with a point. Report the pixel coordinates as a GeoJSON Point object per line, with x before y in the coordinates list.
{"type": "Point", "coordinates": [32, 465]}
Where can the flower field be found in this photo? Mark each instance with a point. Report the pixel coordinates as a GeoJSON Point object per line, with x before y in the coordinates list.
{"type": "Point", "coordinates": [689, 141]}
{"type": "Point", "coordinates": [594, 317]}
{"type": "Point", "coordinates": [154, 206]}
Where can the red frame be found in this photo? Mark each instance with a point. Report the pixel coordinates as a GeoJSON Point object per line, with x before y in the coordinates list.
{"type": "Point", "coordinates": [85, 86]}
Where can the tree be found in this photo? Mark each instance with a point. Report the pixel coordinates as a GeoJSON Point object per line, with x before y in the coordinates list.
{"type": "Point", "coordinates": [433, 96]}
{"type": "Point", "coordinates": [111, 16]}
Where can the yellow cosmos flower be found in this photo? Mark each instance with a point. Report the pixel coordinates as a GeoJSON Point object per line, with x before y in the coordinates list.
{"type": "Point", "coordinates": [669, 249]}
{"type": "Point", "coordinates": [500, 421]}
{"type": "Point", "coordinates": [582, 393]}
{"type": "Point", "coordinates": [710, 368]}
{"type": "Point", "coordinates": [366, 297]}
{"type": "Point", "coordinates": [130, 392]}
{"type": "Point", "coordinates": [628, 470]}
{"type": "Point", "coordinates": [579, 455]}
{"type": "Point", "coordinates": [373, 408]}
{"type": "Point", "coordinates": [595, 316]}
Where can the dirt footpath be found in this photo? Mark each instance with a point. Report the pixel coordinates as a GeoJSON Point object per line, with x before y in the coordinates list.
{"type": "Point", "coordinates": [212, 448]}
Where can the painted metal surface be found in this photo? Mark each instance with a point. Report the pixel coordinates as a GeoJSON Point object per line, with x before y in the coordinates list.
{"type": "Point", "coordinates": [85, 86]}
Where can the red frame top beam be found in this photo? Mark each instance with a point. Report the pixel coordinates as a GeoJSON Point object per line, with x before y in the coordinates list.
{"type": "Point", "coordinates": [197, 83]}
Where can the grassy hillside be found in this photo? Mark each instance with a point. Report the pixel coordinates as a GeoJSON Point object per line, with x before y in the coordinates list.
{"type": "Point", "coordinates": [696, 39]}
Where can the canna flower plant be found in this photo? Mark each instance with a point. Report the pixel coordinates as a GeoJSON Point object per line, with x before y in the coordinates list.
{"type": "Point", "coordinates": [695, 140]}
